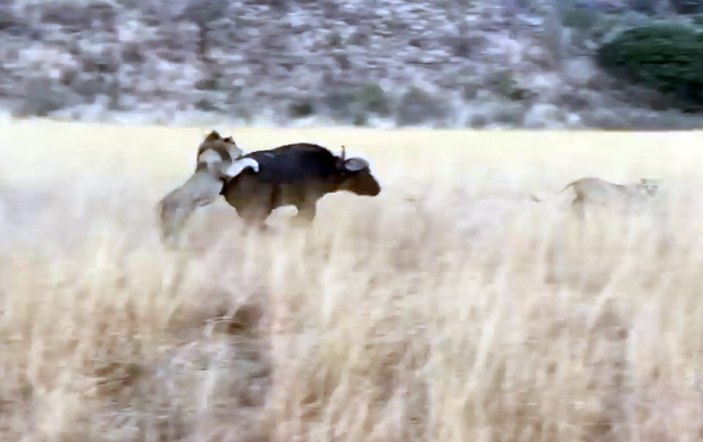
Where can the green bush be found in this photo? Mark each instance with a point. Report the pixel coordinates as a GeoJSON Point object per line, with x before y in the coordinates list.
{"type": "Point", "coordinates": [301, 108]}
{"type": "Point", "coordinates": [371, 97]}
{"type": "Point", "coordinates": [666, 57]}
{"type": "Point", "coordinates": [418, 106]}
{"type": "Point", "coordinates": [503, 82]}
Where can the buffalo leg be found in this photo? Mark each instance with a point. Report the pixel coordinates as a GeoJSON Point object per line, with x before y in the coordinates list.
{"type": "Point", "coordinates": [255, 217]}
{"type": "Point", "coordinates": [306, 214]}
{"type": "Point", "coordinates": [578, 207]}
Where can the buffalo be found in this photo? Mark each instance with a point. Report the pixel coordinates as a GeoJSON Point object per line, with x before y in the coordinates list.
{"type": "Point", "coordinates": [296, 174]}
{"type": "Point", "coordinates": [257, 183]}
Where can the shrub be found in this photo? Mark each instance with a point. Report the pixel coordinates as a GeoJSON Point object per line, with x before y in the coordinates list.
{"type": "Point", "coordinates": [580, 18]}
{"type": "Point", "coordinates": [355, 105]}
{"type": "Point", "coordinates": [648, 7]}
{"type": "Point", "coordinates": [13, 25]}
{"type": "Point", "coordinates": [339, 104]}
{"type": "Point", "coordinates": [41, 97]}
{"type": "Point", "coordinates": [207, 105]}
{"type": "Point", "coordinates": [503, 82]}
{"type": "Point", "coordinates": [418, 106]}
{"type": "Point", "coordinates": [78, 16]}
{"type": "Point", "coordinates": [371, 97]}
{"type": "Point", "coordinates": [301, 108]}
{"type": "Point", "coordinates": [687, 6]}
{"type": "Point", "coordinates": [666, 57]}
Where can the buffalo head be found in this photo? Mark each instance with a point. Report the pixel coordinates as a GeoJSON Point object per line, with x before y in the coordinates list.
{"type": "Point", "coordinates": [356, 176]}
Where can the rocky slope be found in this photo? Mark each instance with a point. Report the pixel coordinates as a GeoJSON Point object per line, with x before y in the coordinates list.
{"type": "Point", "coordinates": [379, 62]}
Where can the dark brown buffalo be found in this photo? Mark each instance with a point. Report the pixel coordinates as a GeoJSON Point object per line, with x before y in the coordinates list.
{"type": "Point", "coordinates": [296, 174]}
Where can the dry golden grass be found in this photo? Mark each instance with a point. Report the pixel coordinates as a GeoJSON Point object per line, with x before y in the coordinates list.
{"type": "Point", "coordinates": [450, 308]}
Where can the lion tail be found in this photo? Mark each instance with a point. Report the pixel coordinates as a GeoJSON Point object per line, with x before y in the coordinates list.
{"type": "Point", "coordinates": [540, 200]}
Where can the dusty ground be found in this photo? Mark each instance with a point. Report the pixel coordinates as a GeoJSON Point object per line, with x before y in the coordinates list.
{"type": "Point", "coordinates": [450, 308]}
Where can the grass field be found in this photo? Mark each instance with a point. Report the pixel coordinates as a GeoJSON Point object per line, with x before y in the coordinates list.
{"type": "Point", "coordinates": [449, 308]}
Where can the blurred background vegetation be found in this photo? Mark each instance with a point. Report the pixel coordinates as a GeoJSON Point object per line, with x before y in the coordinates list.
{"type": "Point", "coordinates": [611, 64]}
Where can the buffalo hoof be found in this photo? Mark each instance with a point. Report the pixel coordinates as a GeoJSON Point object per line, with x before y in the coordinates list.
{"type": "Point", "coordinates": [300, 223]}
{"type": "Point", "coordinates": [255, 227]}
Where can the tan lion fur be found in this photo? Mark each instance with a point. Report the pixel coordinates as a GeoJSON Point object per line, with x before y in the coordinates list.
{"type": "Point", "coordinates": [217, 161]}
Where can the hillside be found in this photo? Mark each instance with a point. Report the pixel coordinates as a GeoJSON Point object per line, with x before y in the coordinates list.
{"type": "Point", "coordinates": [295, 62]}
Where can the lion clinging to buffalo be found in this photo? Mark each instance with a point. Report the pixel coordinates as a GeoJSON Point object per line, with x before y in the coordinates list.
{"type": "Point", "coordinates": [258, 182]}
{"type": "Point", "coordinates": [299, 174]}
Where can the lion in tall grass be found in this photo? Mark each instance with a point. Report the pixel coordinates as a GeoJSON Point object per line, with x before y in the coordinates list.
{"type": "Point", "coordinates": [591, 191]}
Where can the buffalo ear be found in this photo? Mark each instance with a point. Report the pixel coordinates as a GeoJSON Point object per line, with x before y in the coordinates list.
{"type": "Point", "coordinates": [355, 164]}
